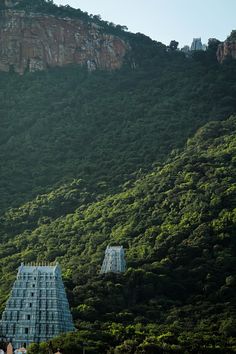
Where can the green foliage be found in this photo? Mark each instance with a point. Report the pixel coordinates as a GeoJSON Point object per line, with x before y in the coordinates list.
{"type": "Point", "coordinates": [104, 127]}
{"type": "Point", "coordinates": [91, 159]}
{"type": "Point", "coordinates": [177, 224]}
{"type": "Point", "coordinates": [67, 124]}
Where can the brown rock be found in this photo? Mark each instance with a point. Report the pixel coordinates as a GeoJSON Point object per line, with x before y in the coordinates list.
{"type": "Point", "coordinates": [226, 50]}
{"type": "Point", "coordinates": [37, 41]}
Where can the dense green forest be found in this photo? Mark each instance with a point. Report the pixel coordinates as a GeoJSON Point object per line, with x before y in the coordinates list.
{"type": "Point", "coordinates": [177, 224]}
{"type": "Point", "coordinates": [104, 127]}
{"type": "Point", "coordinates": [142, 157]}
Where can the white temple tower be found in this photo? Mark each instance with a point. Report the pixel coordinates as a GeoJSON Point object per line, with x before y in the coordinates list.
{"type": "Point", "coordinates": [114, 261]}
{"type": "Point", "coordinates": [37, 309]}
{"type": "Point", "coordinates": [196, 44]}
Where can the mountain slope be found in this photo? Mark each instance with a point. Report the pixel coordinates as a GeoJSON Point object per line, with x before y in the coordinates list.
{"type": "Point", "coordinates": [105, 128]}
{"type": "Point", "coordinates": [67, 124]}
{"type": "Point", "coordinates": [177, 225]}
{"type": "Point", "coordinates": [91, 157]}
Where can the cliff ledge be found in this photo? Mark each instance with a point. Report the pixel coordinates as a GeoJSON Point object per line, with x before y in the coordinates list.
{"type": "Point", "coordinates": [34, 41]}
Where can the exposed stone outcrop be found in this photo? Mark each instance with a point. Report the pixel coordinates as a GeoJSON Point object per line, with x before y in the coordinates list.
{"type": "Point", "coordinates": [37, 41]}
{"type": "Point", "coordinates": [226, 50]}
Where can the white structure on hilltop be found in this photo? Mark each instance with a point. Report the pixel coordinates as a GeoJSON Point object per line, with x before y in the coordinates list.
{"type": "Point", "coordinates": [114, 261]}
{"type": "Point", "coordinates": [196, 44]}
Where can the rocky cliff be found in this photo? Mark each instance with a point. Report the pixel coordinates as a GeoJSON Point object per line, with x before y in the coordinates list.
{"type": "Point", "coordinates": [33, 41]}
{"type": "Point", "coordinates": [227, 49]}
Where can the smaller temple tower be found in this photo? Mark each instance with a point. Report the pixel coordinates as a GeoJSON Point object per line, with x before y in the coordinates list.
{"type": "Point", "coordinates": [196, 44]}
{"type": "Point", "coordinates": [114, 260]}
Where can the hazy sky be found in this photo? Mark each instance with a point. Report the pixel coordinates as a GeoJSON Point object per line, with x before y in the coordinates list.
{"type": "Point", "coordinates": [164, 20]}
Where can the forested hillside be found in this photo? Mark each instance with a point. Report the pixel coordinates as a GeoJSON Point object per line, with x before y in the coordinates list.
{"type": "Point", "coordinates": [144, 157]}
{"type": "Point", "coordinates": [177, 224]}
{"type": "Point", "coordinates": [103, 127]}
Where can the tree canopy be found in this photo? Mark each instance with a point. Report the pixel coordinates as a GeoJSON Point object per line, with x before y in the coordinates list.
{"type": "Point", "coordinates": [177, 225]}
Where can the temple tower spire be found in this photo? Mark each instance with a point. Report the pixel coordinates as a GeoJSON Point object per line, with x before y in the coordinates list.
{"type": "Point", "coordinates": [37, 309]}
{"type": "Point", "coordinates": [114, 260]}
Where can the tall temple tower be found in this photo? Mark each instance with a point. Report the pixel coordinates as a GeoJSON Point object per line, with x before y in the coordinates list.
{"type": "Point", "coordinates": [37, 309]}
{"type": "Point", "coordinates": [114, 261]}
{"type": "Point", "coordinates": [196, 44]}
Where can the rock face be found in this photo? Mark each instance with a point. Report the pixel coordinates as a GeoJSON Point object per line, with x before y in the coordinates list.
{"type": "Point", "coordinates": [37, 41]}
{"type": "Point", "coordinates": [226, 49]}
